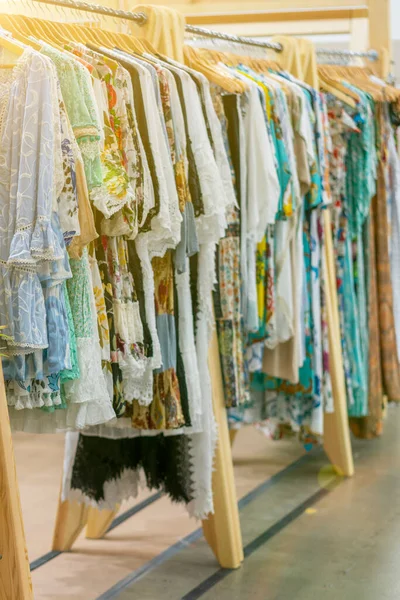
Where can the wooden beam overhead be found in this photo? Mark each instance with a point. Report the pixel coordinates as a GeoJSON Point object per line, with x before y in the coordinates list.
{"type": "Point", "coordinates": [319, 14]}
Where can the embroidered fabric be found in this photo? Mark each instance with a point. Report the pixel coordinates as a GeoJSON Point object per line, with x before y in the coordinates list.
{"type": "Point", "coordinates": [188, 348]}
{"type": "Point", "coordinates": [27, 185]}
{"type": "Point", "coordinates": [212, 224]}
{"type": "Point", "coordinates": [204, 443]}
{"type": "Point", "coordinates": [141, 244]}
{"type": "Point", "coordinates": [165, 226]}
{"type": "Point", "coordinates": [68, 200]}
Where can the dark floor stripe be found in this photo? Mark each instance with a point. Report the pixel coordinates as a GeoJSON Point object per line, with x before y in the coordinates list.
{"type": "Point", "coordinates": [259, 541]}
{"type": "Point", "coordinates": [152, 564]}
{"type": "Point", "coordinates": [182, 544]}
{"type": "Point", "coordinates": [134, 510]}
{"type": "Point", "coordinates": [42, 560]}
{"type": "Point", "coordinates": [273, 480]}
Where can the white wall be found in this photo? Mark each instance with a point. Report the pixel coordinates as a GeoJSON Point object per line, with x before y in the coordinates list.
{"type": "Point", "coordinates": [395, 19]}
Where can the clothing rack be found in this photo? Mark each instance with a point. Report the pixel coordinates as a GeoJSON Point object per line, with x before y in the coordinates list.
{"type": "Point", "coordinates": [140, 18]}
{"type": "Point", "coordinates": [221, 530]}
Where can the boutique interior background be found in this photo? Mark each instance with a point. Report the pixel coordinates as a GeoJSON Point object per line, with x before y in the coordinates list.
{"type": "Point", "coordinates": [339, 24]}
{"type": "Point", "coordinates": [330, 23]}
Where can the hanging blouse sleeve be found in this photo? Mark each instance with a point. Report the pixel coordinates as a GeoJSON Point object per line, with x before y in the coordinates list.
{"type": "Point", "coordinates": [33, 166]}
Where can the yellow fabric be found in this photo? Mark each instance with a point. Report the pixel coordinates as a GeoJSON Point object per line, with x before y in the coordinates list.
{"type": "Point", "coordinates": [87, 225]}
{"type": "Point", "coordinates": [289, 58]}
{"type": "Point", "coordinates": [308, 59]}
{"type": "Point", "coordinates": [164, 29]}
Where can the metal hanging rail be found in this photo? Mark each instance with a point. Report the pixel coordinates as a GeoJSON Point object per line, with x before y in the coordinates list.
{"type": "Point", "coordinates": [141, 18]}
{"type": "Point", "coordinates": [370, 54]}
{"type": "Point", "coordinates": [228, 37]}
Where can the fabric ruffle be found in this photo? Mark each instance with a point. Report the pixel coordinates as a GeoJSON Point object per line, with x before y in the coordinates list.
{"type": "Point", "coordinates": [128, 322]}
{"type": "Point", "coordinates": [104, 202]}
{"type": "Point", "coordinates": [90, 388]}
{"type": "Point", "coordinates": [45, 243]}
{"type": "Point", "coordinates": [35, 394]}
{"type": "Point", "coordinates": [20, 249]}
{"type": "Point", "coordinates": [26, 312]}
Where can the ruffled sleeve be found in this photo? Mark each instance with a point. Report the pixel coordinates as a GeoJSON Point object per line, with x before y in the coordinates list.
{"type": "Point", "coordinates": [28, 191]}
{"type": "Point", "coordinates": [33, 166]}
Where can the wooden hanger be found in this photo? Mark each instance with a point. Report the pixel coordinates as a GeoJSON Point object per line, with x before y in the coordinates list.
{"type": "Point", "coordinates": [11, 46]}
{"type": "Point", "coordinates": [148, 47]}
{"type": "Point", "coordinates": [357, 77]}
{"type": "Point", "coordinates": [17, 22]}
{"type": "Point", "coordinates": [33, 27]}
{"type": "Point", "coordinates": [25, 40]}
{"type": "Point", "coordinates": [69, 31]}
{"type": "Point", "coordinates": [210, 68]}
{"type": "Point", "coordinates": [96, 49]}
{"type": "Point", "coordinates": [98, 36]}
{"type": "Point", "coordinates": [333, 86]}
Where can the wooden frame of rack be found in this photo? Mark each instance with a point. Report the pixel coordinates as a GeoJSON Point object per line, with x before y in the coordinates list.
{"type": "Point", "coordinates": [222, 530]}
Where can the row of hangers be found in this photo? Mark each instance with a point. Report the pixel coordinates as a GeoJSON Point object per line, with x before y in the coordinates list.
{"type": "Point", "coordinates": [331, 78]}
{"type": "Point", "coordinates": [29, 31]}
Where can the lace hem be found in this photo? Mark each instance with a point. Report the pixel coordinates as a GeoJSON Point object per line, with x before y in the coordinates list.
{"type": "Point", "coordinates": [75, 417]}
{"type": "Point", "coordinates": [137, 378]}
{"type": "Point", "coordinates": [106, 203]}
{"type": "Point", "coordinates": [118, 225]}
{"type": "Point", "coordinates": [22, 398]}
{"type": "Point", "coordinates": [141, 244]}
{"type": "Point", "coordinates": [91, 386]}
{"type": "Point", "coordinates": [187, 346]}
{"type": "Point", "coordinates": [204, 443]}
{"type": "Point", "coordinates": [14, 348]}
{"type": "Point", "coordinates": [116, 491]}
{"type": "Point", "coordinates": [127, 321]}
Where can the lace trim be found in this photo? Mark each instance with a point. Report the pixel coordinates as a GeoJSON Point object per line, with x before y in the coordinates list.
{"type": "Point", "coordinates": [75, 417]}
{"type": "Point", "coordinates": [106, 203]}
{"type": "Point", "coordinates": [24, 267]}
{"type": "Point", "coordinates": [20, 345]}
{"type": "Point", "coordinates": [91, 386]}
{"type": "Point", "coordinates": [204, 443]}
{"type": "Point", "coordinates": [90, 148]}
{"type": "Point", "coordinates": [141, 243]}
{"type": "Point", "coordinates": [85, 134]}
{"type": "Point", "coordinates": [23, 399]}
{"type": "Point", "coordinates": [124, 488]}
{"type": "Point", "coordinates": [137, 380]}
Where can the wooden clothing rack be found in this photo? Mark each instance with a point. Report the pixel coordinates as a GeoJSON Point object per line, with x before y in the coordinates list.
{"type": "Point", "coordinates": [221, 530]}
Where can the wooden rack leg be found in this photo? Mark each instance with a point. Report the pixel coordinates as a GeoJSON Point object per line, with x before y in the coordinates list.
{"type": "Point", "coordinates": [99, 521]}
{"type": "Point", "coordinates": [70, 521]}
{"type": "Point", "coordinates": [232, 435]}
{"type": "Point", "coordinates": [336, 428]}
{"type": "Point", "coordinates": [222, 529]}
{"type": "Point", "coordinates": [15, 577]}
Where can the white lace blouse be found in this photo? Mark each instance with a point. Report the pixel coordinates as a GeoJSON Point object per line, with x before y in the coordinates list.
{"type": "Point", "coordinates": [30, 183]}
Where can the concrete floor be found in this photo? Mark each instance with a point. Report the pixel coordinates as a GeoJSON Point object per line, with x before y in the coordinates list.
{"type": "Point", "coordinates": [310, 536]}
{"type": "Point", "coordinates": [307, 535]}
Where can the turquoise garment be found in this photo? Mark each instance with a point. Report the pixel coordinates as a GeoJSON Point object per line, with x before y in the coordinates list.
{"type": "Point", "coordinates": [79, 290]}
{"type": "Point", "coordinates": [354, 139]}
{"type": "Point", "coordinates": [314, 196]}
{"type": "Point", "coordinates": [73, 372]}
{"type": "Point", "coordinates": [274, 128]}
{"type": "Point", "coordinates": [361, 165]}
